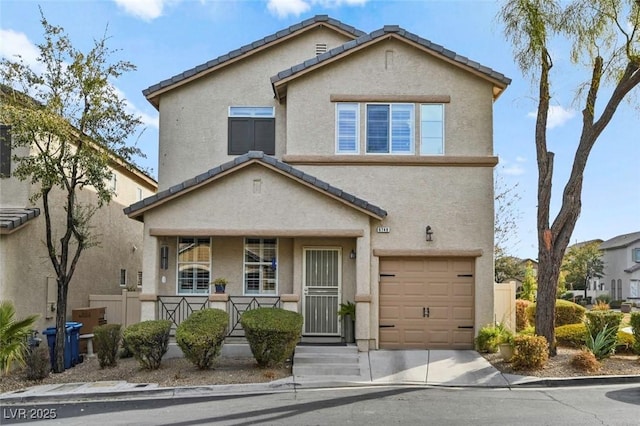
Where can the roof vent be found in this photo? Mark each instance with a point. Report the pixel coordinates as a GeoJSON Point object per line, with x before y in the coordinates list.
{"type": "Point", "coordinates": [321, 48]}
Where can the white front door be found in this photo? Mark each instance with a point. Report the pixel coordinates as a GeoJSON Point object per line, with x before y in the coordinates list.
{"type": "Point", "coordinates": [322, 280]}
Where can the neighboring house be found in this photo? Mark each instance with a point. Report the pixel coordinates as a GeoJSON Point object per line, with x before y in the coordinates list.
{"type": "Point", "coordinates": [622, 266]}
{"type": "Point", "coordinates": [27, 277]}
{"type": "Point", "coordinates": [321, 165]}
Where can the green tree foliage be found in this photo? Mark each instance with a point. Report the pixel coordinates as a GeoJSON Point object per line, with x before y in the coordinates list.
{"type": "Point", "coordinates": [13, 336]}
{"type": "Point", "coordinates": [72, 126]}
{"type": "Point", "coordinates": [604, 38]}
{"type": "Point", "coordinates": [581, 263]}
{"type": "Point", "coordinates": [529, 284]}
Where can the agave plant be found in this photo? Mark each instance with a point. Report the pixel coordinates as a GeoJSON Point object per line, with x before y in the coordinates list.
{"type": "Point", "coordinates": [13, 336]}
{"type": "Point", "coordinates": [604, 342]}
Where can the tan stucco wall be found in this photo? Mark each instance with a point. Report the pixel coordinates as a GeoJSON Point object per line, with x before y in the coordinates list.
{"type": "Point", "coordinates": [14, 193]}
{"type": "Point", "coordinates": [195, 115]}
{"type": "Point", "coordinates": [26, 267]}
{"type": "Point", "coordinates": [468, 116]}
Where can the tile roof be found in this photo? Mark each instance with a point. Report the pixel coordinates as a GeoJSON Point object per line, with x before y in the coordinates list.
{"type": "Point", "coordinates": [249, 47]}
{"type": "Point", "coordinates": [255, 156]}
{"type": "Point", "coordinates": [384, 31]}
{"type": "Point", "coordinates": [620, 241]}
{"type": "Point", "coordinates": [13, 218]}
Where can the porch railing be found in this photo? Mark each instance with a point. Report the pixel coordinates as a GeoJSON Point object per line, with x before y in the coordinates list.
{"type": "Point", "coordinates": [178, 308]}
{"type": "Point", "coordinates": [239, 304]}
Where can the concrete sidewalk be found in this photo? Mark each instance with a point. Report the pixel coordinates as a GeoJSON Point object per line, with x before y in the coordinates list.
{"type": "Point", "coordinates": [377, 368]}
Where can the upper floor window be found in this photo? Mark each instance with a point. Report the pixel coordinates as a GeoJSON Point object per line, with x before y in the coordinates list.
{"type": "Point", "coordinates": [114, 182]}
{"type": "Point", "coordinates": [5, 151]}
{"type": "Point", "coordinates": [432, 129]}
{"type": "Point", "coordinates": [390, 128]}
{"type": "Point", "coordinates": [139, 193]}
{"type": "Point", "coordinates": [194, 265]}
{"type": "Point", "coordinates": [251, 129]}
{"type": "Point", "coordinates": [635, 254]}
{"type": "Point", "coordinates": [347, 128]}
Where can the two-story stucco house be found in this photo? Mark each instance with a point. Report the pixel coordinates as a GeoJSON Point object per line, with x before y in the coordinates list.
{"type": "Point", "coordinates": [324, 165]}
{"type": "Point", "coordinates": [27, 277]}
{"type": "Point", "coordinates": [621, 256]}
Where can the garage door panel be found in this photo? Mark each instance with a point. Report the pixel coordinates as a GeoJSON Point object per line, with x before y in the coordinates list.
{"type": "Point", "coordinates": [462, 314]}
{"type": "Point", "coordinates": [433, 283]}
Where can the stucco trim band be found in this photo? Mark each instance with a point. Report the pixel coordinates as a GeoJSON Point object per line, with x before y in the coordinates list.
{"type": "Point", "coordinates": [226, 232]}
{"type": "Point", "coordinates": [427, 253]}
{"type": "Point", "coordinates": [393, 160]}
{"type": "Point", "coordinates": [419, 99]}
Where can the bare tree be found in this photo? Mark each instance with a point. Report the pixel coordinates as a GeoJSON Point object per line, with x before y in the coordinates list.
{"type": "Point", "coordinates": [605, 37]}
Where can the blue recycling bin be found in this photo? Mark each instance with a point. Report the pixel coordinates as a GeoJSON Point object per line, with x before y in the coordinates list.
{"type": "Point", "coordinates": [50, 332]}
{"type": "Point", "coordinates": [75, 341]}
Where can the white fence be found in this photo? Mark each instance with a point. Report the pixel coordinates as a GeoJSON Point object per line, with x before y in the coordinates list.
{"type": "Point", "coordinates": [504, 304]}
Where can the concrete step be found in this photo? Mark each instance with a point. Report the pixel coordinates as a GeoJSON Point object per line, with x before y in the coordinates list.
{"type": "Point", "coordinates": [326, 361]}
{"type": "Point", "coordinates": [310, 358]}
{"type": "Point", "coordinates": [326, 349]}
{"type": "Point", "coordinates": [326, 370]}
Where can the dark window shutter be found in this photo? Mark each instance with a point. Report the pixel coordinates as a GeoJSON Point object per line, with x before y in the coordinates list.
{"type": "Point", "coordinates": [265, 135]}
{"type": "Point", "coordinates": [5, 151]}
{"type": "Point", "coordinates": [240, 135]}
{"type": "Point", "coordinates": [252, 134]}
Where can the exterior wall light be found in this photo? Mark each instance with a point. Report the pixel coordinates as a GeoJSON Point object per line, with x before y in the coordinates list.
{"type": "Point", "coordinates": [429, 233]}
{"type": "Point", "coordinates": [352, 255]}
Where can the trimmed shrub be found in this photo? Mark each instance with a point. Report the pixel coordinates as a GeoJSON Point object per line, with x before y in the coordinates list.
{"type": "Point", "coordinates": [566, 313]}
{"type": "Point", "coordinates": [635, 327]}
{"type": "Point", "coordinates": [597, 320]}
{"type": "Point", "coordinates": [491, 336]}
{"type": "Point", "coordinates": [522, 320]}
{"type": "Point", "coordinates": [624, 342]}
{"type": "Point", "coordinates": [585, 361]}
{"type": "Point", "coordinates": [201, 336]}
{"type": "Point", "coordinates": [37, 362]}
{"type": "Point", "coordinates": [107, 341]}
{"type": "Point", "coordinates": [571, 335]}
{"type": "Point", "coordinates": [605, 298]}
{"type": "Point", "coordinates": [148, 341]}
{"type": "Point", "coordinates": [272, 334]}
{"type": "Point", "coordinates": [531, 352]}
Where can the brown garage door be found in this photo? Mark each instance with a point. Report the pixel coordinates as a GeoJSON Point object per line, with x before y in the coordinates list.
{"type": "Point", "coordinates": [426, 303]}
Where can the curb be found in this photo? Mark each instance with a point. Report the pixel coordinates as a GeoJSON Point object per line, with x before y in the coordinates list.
{"type": "Point", "coordinates": [557, 382]}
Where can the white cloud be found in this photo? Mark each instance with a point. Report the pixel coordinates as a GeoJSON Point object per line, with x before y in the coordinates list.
{"type": "Point", "coordinates": [557, 115]}
{"type": "Point", "coordinates": [512, 170]}
{"type": "Point", "coordinates": [15, 43]}
{"type": "Point", "coordinates": [284, 8]}
{"type": "Point", "coordinates": [147, 10]}
{"type": "Point", "coordinates": [521, 159]}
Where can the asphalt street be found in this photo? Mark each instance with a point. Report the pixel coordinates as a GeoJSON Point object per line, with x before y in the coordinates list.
{"type": "Point", "coordinates": [594, 405]}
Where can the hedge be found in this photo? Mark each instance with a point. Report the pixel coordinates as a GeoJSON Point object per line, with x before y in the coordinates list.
{"type": "Point", "coordinates": [566, 313]}
{"type": "Point", "coordinates": [522, 320]}
{"type": "Point", "coordinates": [571, 335]}
{"type": "Point", "coordinates": [201, 336]}
{"type": "Point", "coordinates": [107, 341]}
{"type": "Point", "coordinates": [148, 341]}
{"type": "Point", "coordinates": [272, 334]}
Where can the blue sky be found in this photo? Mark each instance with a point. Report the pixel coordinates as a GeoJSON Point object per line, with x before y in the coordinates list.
{"type": "Point", "coordinates": [165, 37]}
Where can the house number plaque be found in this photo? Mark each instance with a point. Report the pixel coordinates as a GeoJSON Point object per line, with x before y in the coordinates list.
{"type": "Point", "coordinates": [383, 229]}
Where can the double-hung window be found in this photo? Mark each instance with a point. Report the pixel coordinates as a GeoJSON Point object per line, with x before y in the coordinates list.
{"type": "Point", "coordinates": [5, 151]}
{"type": "Point", "coordinates": [194, 265]}
{"type": "Point", "coordinates": [635, 254]}
{"type": "Point", "coordinates": [347, 128]}
{"type": "Point", "coordinates": [252, 129]}
{"type": "Point", "coordinates": [390, 128]}
{"type": "Point", "coordinates": [432, 129]}
{"type": "Point", "coordinates": [260, 266]}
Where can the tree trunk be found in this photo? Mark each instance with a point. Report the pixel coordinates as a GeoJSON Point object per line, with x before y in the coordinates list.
{"type": "Point", "coordinates": [61, 320]}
